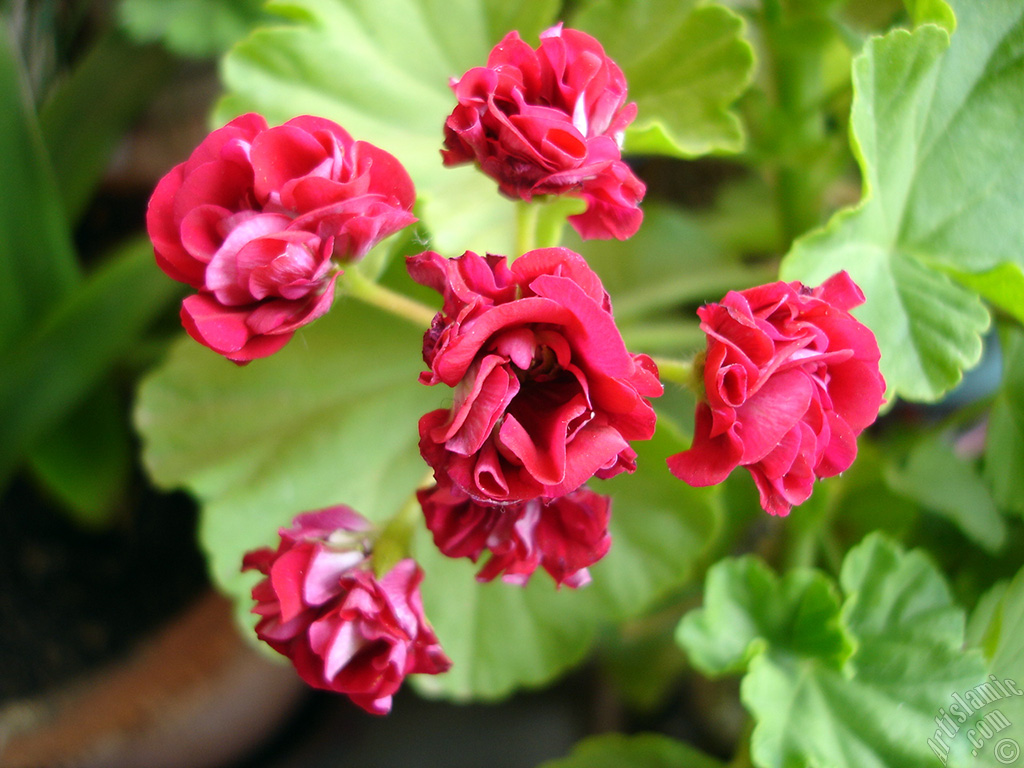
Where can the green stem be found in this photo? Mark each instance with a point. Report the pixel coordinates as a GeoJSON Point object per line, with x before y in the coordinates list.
{"type": "Point", "coordinates": [527, 218]}
{"type": "Point", "coordinates": [395, 540]}
{"type": "Point", "coordinates": [357, 285]}
{"type": "Point", "coordinates": [679, 371]}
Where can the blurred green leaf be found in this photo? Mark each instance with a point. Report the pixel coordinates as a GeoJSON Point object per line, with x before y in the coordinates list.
{"type": "Point", "coordinates": [1003, 286]}
{"type": "Point", "coordinates": [191, 27]}
{"type": "Point", "coordinates": [645, 750]}
{"type": "Point", "coordinates": [53, 368]}
{"type": "Point", "coordinates": [37, 260]}
{"type": "Point", "coordinates": [937, 134]}
{"type": "Point", "coordinates": [815, 703]}
{"type": "Point", "coordinates": [87, 115]}
{"type": "Point", "coordinates": [1004, 448]}
{"type": "Point", "coordinates": [999, 622]}
{"type": "Point", "coordinates": [936, 478]}
{"type": "Point", "coordinates": [669, 264]}
{"type": "Point", "coordinates": [692, 64]}
{"type": "Point", "coordinates": [931, 12]}
{"type": "Point", "coordinates": [87, 459]}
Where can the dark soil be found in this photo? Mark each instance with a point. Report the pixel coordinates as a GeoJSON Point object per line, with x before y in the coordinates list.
{"type": "Point", "coordinates": [71, 599]}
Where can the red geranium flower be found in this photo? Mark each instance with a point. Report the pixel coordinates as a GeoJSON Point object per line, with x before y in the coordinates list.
{"type": "Point", "coordinates": [563, 535]}
{"type": "Point", "coordinates": [343, 629]}
{"type": "Point", "coordinates": [790, 379]}
{"type": "Point", "coordinates": [254, 217]}
{"type": "Point", "coordinates": [551, 121]}
{"type": "Point", "coordinates": [545, 393]}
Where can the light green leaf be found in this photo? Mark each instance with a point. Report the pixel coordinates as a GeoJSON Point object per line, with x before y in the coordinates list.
{"type": "Point", "coordinates": [331, 419]}
{"type": "Point", "coordinates": [933, 476]}
{"type": "Point", "coordinates": [692, 64]}
{"type": "Point", "coordinates": [1004, 449]}
{"type": "Point", "coordinates": [938, 138]}
{"type": "Point", "coordinates": [874, 708]}
{"type": "Point", "coordinates": [645, 750]}
{"type": "Point", "coordinates": [501, 636]}
{"type": "Point", "coordinates": [1003, 286]}
{"type": "Point", "coordinates": [352, 61]}
{"type": "Point", "coordinates": [191, 27]}
{"type": "Point", "coordinates": [931, 12]}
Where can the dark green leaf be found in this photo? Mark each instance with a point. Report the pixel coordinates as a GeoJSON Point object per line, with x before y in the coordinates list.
{"type": "Point", "coordinates": [934, 477]}
{"type": "Point", "coordinates": [191, 27]}
{"type": "Point", "coordinates": [37, 261]}
{"type": "Point", "coordinates": [51, 370]}
{"type": "Point", "coordinates": [83, 120]}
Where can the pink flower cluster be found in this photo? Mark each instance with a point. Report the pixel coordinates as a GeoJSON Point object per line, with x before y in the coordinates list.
{"type": "Point", "coordinates": [790, 379]}
{"type": "Point", "coordinates": [546, 396]}
{"type": "Point", "coordinates": [344, 629]}
{"type": "Point", "coordinates": [551, 121]}
{"type": "Point", "coordinates": [255, 217]}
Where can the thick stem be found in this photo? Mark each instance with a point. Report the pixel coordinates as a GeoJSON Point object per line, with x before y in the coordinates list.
{"type": "Point", "coordinates": [678, 371]}
{"type": "Point", "coordinates": [356, 285]}
{"type": "Point", "coordinates": [527, 219]}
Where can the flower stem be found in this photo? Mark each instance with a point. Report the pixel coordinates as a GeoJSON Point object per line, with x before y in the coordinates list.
{"type": "Point", "coordinates": [357, 285]}
{"type": "Point", "coordinates": [527, 219]}
{"type": "Point", "coordinates": [395, 540]}
{"type": "Point", "coordinates": [678, 371]}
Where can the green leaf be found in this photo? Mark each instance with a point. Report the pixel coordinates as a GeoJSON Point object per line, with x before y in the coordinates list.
{"type": "Point", "coordinates": [38, 265]}
{"type": "Point", "coordinates": [938, 140]}
{"type": "Point", "coordinates": [1004, 449]}
{"type": "Point", "coordinates": [331, 419]}
{"type": "Point", "coordinates": [931, 12]}
{"type": "Point", "coordinates": [798, 614]}
{"type": "Point", "coordinates": [937, 479]}
{"type": "Point", "coordinates": [352, 61]}
{"type": "Point", "coordinates": [1003, 286]}
{"type": "Point", "coordinates": [999, 621]}
{"type": "Point", "coordinates": [50, 371]}
{"type": "Point", "coordinates": [645, 750]}
{"type": "Point", "coordinates": [83, 120]}
{"type": "Point", "coordinates": [692, 65]}
{"type": "Point", "coordinates": [191, 27]}
{"type": "Point", "coordinates": [873, 708]}
{"type": "Point", "coordinates": [87, 459]}
{"type": "Point", "coordinates": [501, 636]}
